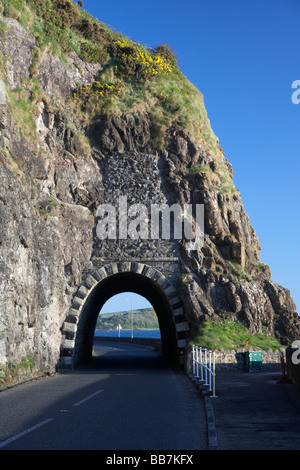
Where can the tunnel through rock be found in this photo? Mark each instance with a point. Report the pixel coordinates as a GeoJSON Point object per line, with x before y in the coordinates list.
{"type": "Point", "coordinates": [116, 284]}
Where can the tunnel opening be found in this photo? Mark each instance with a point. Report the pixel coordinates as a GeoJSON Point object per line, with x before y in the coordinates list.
{"type": "Point", "coordinates": [128, 317]}
{"type": "Point", "coordinates": [112, 286]}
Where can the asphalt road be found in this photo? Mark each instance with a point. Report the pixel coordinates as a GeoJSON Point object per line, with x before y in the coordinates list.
{"type": "Point", "coordinates": [128, 399]}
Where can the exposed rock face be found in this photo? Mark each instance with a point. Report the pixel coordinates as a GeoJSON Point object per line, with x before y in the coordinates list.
{"type": "Point", "coordinates": [53, 180]}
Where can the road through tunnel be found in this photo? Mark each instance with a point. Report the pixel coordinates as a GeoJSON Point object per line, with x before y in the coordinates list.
{"type": "Point", "coordinates": [104, 283]}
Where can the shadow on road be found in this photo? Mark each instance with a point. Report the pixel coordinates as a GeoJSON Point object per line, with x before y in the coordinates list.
{"type": "Point", "coordinates": [127, 398]}
{"type": "Point", "coordinates": [108, 356]}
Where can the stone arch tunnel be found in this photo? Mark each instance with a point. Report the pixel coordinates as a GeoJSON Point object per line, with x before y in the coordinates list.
{"type": "Point", "coordinates": [114, 278]}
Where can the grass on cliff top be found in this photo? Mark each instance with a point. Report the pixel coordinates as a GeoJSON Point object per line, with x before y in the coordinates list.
{"type": "Point", "coordinates": [151, 79]}
{"type": "Point", "coordinates": [229, 335]}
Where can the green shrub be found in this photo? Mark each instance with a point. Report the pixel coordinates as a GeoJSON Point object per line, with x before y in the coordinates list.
{"type": "Point", "coordinates": [93, 53]}
{"type": "Point", "coordinates": [166, 53]}
{"type": "Point", "coordinates": [98, 92]}
{"type": "Point", "coordinates": [133, 59]}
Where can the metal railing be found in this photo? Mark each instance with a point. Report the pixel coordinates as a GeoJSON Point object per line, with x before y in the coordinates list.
{"type": "Point", "coordinates": [204, 367]}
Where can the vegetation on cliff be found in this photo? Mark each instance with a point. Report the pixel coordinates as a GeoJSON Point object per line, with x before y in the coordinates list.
{"type": "Point", "coordinates": [133, 77]}
{"type": "Point", "coordinates": [230, 335]}
{"type": "Point", "coordinates": [140, 319]}
{"type": "Point", "coordinates": [13, 373]}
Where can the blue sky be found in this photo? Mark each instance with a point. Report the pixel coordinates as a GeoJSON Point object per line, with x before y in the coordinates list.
{"type": "Point", "coordinates": [125, 301]}
{"type": "Point", "coordinates": [243, 56]}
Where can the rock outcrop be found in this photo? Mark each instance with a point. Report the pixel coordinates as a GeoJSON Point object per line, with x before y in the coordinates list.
{"type": "Point", "coordinates": [57, 167]}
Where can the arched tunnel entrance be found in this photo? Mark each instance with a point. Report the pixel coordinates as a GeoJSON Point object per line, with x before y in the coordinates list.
{"type": "Point", "coordinates": [98, 288]}
{"type": "Point", "coordinates": [126, 282]}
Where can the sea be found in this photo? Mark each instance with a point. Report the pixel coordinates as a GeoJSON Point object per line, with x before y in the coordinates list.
{"type": "Point", "coordinates": [127, 333]}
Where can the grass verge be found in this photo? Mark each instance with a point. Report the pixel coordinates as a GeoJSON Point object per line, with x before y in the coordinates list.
{"type": "Point", "coordinates": [227, 334]}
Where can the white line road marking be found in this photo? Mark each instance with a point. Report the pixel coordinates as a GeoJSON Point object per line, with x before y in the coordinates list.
{"type": "Point", "coordinates": [23, 433]}
{"type": "Point", "coordinates": [42, 423]}
{"type": "Point", "coordinates": [87, 398]}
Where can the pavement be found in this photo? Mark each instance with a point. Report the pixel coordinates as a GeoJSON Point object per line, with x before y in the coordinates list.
{"type": "Point", "coordinates": [252, 411]}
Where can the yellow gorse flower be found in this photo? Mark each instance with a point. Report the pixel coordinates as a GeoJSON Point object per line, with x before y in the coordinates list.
{"type": "Point", "coordinates": [96, 88]}
{"type": "Point", "coordinates": [134, 55]}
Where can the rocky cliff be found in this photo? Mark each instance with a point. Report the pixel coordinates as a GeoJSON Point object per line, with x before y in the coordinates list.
{"type": "Point", "coordinates": [82, 123]}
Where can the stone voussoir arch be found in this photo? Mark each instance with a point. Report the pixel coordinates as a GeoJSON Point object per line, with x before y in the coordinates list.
{"type": "Point", "coordinates": [70, 326]}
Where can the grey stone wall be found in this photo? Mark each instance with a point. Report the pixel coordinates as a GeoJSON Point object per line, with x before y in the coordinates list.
{"type": "Point", "coordinates": [137, 177]}
{"type": "Point", "coordinates": [235, 360]}
{"type": "Point", "coordinates": [229, 360]}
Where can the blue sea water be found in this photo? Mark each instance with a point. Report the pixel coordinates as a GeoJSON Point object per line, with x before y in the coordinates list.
{"type": "Point", "coordinates": [127, 333]}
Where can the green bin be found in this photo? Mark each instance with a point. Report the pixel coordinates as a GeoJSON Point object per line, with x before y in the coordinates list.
{"type": "Point", "coordinates": [253, 361]}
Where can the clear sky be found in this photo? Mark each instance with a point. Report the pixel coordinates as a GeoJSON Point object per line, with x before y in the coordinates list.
{"type": "Point", "coordinates": [125, 301]}
{"type": "Point", "coordinates": [243, 55]}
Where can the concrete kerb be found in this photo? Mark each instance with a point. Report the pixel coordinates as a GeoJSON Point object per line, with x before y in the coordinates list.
{"type": "Point", "coordinates": [210, 417]}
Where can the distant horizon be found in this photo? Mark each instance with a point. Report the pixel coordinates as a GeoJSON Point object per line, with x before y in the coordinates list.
{"type": "Point", "coordinates": [124, 310]}
{"type": "Point", "coordinates": [129, 299]}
